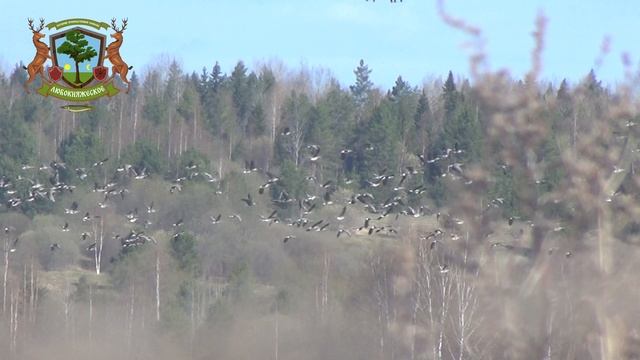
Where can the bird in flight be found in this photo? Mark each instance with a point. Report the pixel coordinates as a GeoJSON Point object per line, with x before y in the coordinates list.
{"type": "Point", "coordinates": [343, 231]}
{"type": "Point", "coordinates": [215, 220]}
{"type": "Point", "coordinates": [248, 200]}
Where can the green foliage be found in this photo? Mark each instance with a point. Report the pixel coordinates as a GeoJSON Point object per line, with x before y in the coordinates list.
{"type": "Point", "coordinates": [82, 289]}
{"type": "Point", "coordinates": [257, 122]}
{"type": "Point", "coordinates": [99, 118]}
{"type": "Point", "coordinates": [17, 145]}
{"type": "Point", "coordinates": [504, 190]}
{"type": "Point", "coordinates": [241, 86]}
{"type": "Point", "coordinates": [240, 282]}
{"type": "Point", "coordinates": [188, 103]}
{"type": "Point", "coordinates": [189, 158]}
{"type": "Point", "coordinates": [296, 113]}
{"type": "Point", "coordinates": [450, 97]}
{"type": "Point", "coordinates": [282, 301]}
{"type": "Point", "coordinates": [292, 179]}
{"type": "Point", "coordinates": [81, 149]}
{"type": "Point", "coordinates": [144, 154]}
{"type": "Point", "coordinates": [423, 123]}
{"type": "Point", "coordinates": [184, 251]}
{"type": "Point", "coordinates": [462, 132]}
{"type": "Point", "coordinates": [155, 109]}
{"type": "Point", "coordinates": [363, 86]}
{"type": "Point", "coordinates": [383, 132]}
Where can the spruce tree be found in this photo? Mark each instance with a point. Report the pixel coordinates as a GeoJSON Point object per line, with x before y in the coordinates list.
{"type": "Point", "coordinates": [216, 78]}
{"type": "Point", "coordinates": [450, 97]}
{"type": "Point", "coordinates": [361, 89]}
{"type": "Point", "coordinates": [422, 123]}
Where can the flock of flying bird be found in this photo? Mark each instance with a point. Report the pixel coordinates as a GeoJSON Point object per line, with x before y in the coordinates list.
{"type": "Point", "coordinates": [395, 205]}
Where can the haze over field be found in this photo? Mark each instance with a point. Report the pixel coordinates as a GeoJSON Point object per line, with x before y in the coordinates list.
{"type": "Point", "coordinates": [259, 209]}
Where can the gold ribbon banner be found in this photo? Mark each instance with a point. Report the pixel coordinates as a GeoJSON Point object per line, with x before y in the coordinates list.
{"type": "Point", "coordinates": [84, 94]}
{"type": "Point", "coordinates": [77, 21]}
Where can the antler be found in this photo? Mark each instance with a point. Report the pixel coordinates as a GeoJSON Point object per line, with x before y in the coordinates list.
{"type": "Point", "coordinates": [115, 27]}
{"type": "Point", "coordinates": [31, 25]}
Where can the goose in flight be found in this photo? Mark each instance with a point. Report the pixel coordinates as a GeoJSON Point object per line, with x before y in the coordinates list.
{"type": "Point", "coordinates": [14, 245]}
{"type": "Point", "coordinates": [139, 174]}
{"type": "Point", "coordinates": [431, 235]}
{"type": "Point", "coordinates": [101, 162]}
{"type": "Point", "coordinates": [151, 209]}
{"type": "Point", "coordinates": [208, 177]}
{"type": "Point", "coordinates": [305, 210]}
{"type": "Point", "coordinates": [73, 209]}
{"type": "Point", "coordinates": [249, 167]}
{"type": "Point", "coordinates": [315, 225]}
{"type": "Point", "coordinates": [248, 200]}
{"type": "Point", "coordinates": [273, 216]}
{"type": "Point", "coordinates": [81, 173]}
{"type": "Point", "coordinates": [215, 220]}
{"type": "Point", "coordinates": [315, 152]}
{"type": "Point", "coordinates": [327, 198]}
{"type": "Point", "coordinates": [191, 165]}
{"type": "Point", "coordinates": [343, 231]}
{"type": "Point", "coordinates": [366, 224]}
{"type": "Point", "coordinates": [344, 153]}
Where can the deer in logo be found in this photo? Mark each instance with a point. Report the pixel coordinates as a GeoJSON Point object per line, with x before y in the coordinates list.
{"type": "Point", "coordinates": [113, 53]}
{"type": "Point", "coordinates": [42, 54]}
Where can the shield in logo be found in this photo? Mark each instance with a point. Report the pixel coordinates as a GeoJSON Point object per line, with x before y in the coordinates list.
{"type": "Point", "coordinates": [77, 51]}
{"type": "Point", "coordinates": [100, 72]}
{"type": "Point", "coordinates": [55, 73]}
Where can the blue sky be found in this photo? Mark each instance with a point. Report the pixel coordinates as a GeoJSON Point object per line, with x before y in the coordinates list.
{"type": "Point", "coordinates": [405, 39]}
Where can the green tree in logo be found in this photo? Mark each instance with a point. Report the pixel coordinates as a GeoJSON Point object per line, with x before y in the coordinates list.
{"type": "Point", "coordinates": [77, 49]}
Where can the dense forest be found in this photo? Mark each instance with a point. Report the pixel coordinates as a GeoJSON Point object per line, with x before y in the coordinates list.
{"type": "Point", "coordinates": [273, 213]}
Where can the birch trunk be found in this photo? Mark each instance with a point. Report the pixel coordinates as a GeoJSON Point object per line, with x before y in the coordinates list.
{"type": "Point", "coordinates": [5, 274]}
{"type": "Point", "coordinates": [120, 128]}
{"type": "Point", "coordinates": [195, 125]}
{"type": "Point", "coordinates": [276, 332]}
{"type": "Point", "coordinates": [157, 286]}
{"type": "Point", "coordinates": [169, 138]}
{"type": "Point", "coordinates": [132, 303]}
{"type": "Point", "coordinates": [32, 294]}
{"type": "Point", "coordinates": [90, 314]}
{"type": "Point", "coordinates": [135, 118]}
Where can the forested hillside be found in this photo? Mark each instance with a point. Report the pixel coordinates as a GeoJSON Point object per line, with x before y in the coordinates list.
{"type": "Point", "coordinates": [272, 213]}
